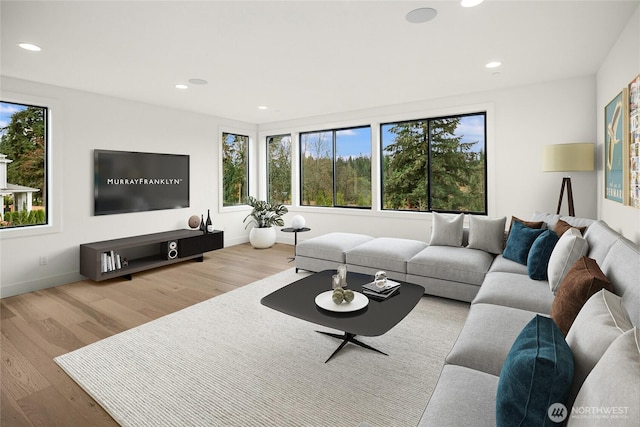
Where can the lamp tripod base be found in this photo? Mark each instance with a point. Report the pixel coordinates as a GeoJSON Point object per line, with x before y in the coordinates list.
{"type": "Point", "coordinates": [566, 182]}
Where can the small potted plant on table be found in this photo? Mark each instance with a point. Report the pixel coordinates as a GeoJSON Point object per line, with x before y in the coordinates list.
{"type": "Point", "coordinates": [264, 216]}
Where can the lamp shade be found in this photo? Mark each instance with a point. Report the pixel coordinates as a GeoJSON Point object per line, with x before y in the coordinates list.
{"type": "Point", "coordinates": [568, 157]}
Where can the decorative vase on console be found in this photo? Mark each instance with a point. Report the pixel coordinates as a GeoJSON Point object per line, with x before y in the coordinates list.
{"type": "Point", "coordinates": [263, 217]}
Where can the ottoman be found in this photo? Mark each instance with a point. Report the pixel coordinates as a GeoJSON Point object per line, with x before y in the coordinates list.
{"type": "Point", "coordinates": [384, 253]}
{"type": "Point", "coordinates": [326, 252]}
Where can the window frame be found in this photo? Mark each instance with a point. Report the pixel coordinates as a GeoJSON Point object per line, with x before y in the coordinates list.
{"type": "Point", "coordinates": [334, 132]}
{"type": "Point", "coordinates": [250, 139]}
{"type": "Point", "coordinates": [51, 164]}
{"type": "Point", "coordinates": [428, 172]}
{"type": "Point", "coordinates": [268, 162]}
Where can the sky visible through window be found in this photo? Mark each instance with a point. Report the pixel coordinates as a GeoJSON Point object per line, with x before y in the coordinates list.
{"type": "Point", "coordinates": [6, 111]}
{"type": "Point", "coordinates": [358, 140]}
{"type": "Point", "coordinates": [471, 128]}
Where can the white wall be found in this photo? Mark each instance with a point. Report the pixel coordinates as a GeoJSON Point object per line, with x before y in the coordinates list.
{"type": "Point", "coordinates": [82, 122]}
{"type": "Point", "coordinates": [520, 121]}
{"type": "Point", "coordinates": [620, 67]}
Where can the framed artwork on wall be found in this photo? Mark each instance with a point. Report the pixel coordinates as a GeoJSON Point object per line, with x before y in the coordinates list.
{"type": "Point", "coordinates": [615, 143]}
{"type": "Point", "coordinates": [633, 176]}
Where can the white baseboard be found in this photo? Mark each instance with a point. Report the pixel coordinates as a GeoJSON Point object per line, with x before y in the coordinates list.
{"type": "Point", "coordinates": [39, 284]}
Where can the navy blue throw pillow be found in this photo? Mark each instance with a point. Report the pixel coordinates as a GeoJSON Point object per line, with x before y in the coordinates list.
{"type": "Point", "coordinates": [519, 242]}
{"type": "Point", "coordinates": [539, 254]}
{"type": "Point", "coordinates": [536, 376]}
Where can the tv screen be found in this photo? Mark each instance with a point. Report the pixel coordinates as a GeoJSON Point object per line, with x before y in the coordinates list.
{"type": "Point", "coordinates": [135, 182]}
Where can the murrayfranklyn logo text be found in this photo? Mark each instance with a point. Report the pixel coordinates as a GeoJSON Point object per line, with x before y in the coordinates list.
{"type": "Point", "coordinates": [144, 181]}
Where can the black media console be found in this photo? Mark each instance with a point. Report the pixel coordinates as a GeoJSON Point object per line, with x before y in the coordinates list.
{"type": "Point", "coordinates": [123, 257]}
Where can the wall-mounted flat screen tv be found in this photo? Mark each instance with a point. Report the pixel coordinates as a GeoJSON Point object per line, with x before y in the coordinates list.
{"type": "Point", "coordinates": [127, 181]}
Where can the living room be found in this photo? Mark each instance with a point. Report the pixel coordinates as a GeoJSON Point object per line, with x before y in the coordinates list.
{"type": "Point", "coordinates": [522, 117]}
{"type": "Point", "coordinates": [571, 109]}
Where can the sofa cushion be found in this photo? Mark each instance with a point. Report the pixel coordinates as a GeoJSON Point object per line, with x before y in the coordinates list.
{"type": "Point", "coordinates": [622, 267]}
{"type": "Point", "coordinates": [486, 234]}
{"type": "Point", "coordinates": [500, 263]}
{"type": "Point", "coordinates": [332, 246]}
{"type": "Point", "coordinates": [519, 242]}
{"type": "Point", "coordinates": [612, 385]}
{"type": "Point", "coordinates": [567, 251]}
{"type": "Point", "coordinates": [562, 226]}
{"type": "Point", "coordinates": [530, 224]}
{"type": "Point", "coordinates": [446, 230]}
{"type": "Point", "coordinates": [583, 280]}
{"type": "Point", "coordinates": [515, 290]}
{"type": "Point", "coordinates": [602, 319]}
{"type": "Point", "coordinates": [577, 222]}
{"type": "Point", "coordinates": [539, 254]}
{"type": "Point", "coordinates": [549, 219]}
{"type": "Point", "coordinates": [462, 397]}
{"type": "Point", "coordinates": [385, 253]}
{"type": "Point", "coordinates": [487, 336]}
{"type": "Point", "coordinates": [536, 374]}
{"type": "Point", "coordinates": [455, 264]}
{"type": "Point", "coordinates": [600, 238]}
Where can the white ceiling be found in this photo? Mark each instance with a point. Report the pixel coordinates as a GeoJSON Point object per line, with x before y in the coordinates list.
{"type": "Point", "coordinates": [302, 58]}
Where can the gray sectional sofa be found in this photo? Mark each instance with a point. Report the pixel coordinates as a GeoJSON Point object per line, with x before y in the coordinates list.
{"type": "Point", "coordinates": [606, 383]}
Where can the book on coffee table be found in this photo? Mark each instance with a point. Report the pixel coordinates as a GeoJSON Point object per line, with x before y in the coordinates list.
{"type": "Point", "coordinates": [381, 293]}
{"type": "Point", "coordinates": [390, 285]}
{"type": "Point", "coordinates": [380, 296]}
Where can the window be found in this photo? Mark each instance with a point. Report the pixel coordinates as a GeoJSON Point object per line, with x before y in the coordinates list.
{"type": "Point", "coordinates": [279, 169]}
{"type": "Point", "coordinates": [23, 165]}
{"type": "Point", "coordinates": [235, 169]}
{"type": "Point", "coordinates": [336, 167]}
{"type": "Point", "coordinates": [436, 164]}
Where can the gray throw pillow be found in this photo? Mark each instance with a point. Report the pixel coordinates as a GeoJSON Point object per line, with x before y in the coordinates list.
{"type": "Point", "coordinates": [446, 230]}
{"type": "Point", "coordinates": [600, 322]}
{"type": "Point", "coordinates": [612, 386]}
{"type": "Point", "coordinates": [486, 234]}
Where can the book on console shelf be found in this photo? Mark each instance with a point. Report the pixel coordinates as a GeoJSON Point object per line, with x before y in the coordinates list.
{"type": "Point", "coordinates": [110, 261]}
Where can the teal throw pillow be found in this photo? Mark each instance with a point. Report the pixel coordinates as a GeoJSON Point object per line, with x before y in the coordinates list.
{"type": "Point", "coordinates": [519, 242]}
{"type": "Point", "coordinates": [536, 376]}
{"type": "Point", "coordinates": [539, 254]}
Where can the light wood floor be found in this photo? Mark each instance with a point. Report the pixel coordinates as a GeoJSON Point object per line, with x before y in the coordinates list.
{"type": "Point", "coordinates": [38, 326]}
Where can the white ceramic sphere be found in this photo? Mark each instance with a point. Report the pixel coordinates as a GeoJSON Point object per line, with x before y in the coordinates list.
{"type": "Point", "coordinates": [297, 221]}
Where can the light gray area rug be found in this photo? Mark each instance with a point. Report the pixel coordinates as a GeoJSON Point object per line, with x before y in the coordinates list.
{"type": "Point", "coordinates": [229, 361]}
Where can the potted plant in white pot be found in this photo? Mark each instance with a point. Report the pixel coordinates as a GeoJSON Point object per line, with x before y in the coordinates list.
{"type": "Point", "coordinates": [264, 216]}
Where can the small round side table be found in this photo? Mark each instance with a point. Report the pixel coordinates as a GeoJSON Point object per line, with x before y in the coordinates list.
{"type": "Point", "coordinates": [295, 232]}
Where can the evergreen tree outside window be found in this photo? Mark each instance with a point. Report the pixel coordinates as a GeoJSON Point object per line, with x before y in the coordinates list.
{"type": "Point", "coordinates": [23, 165]}
{"type": "Point", "coordinates": [279, 169]}
{"type": "Point", "coordinates": [336, 167]}
{"type": "Point", "coordinates": [435, 164]}
{"type": "Point", "coordinates": [235, 169]}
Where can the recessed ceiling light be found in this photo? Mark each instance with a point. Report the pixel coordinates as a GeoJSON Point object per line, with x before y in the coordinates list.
{"type": "Point", "coordinates": [181, 86]}
{"type": "Point", "coordinates": [30, 46]}
{"type": "Point", "coordinates": [493, 64]}
{"type": "Point", "coordinates": [263, 107]}
{"type": "Point", "coordinates": [470, 3]}
{"type": "Point", "coordinates": [198, 81]}
{"type": "Point", "coordinates": [421, 15]}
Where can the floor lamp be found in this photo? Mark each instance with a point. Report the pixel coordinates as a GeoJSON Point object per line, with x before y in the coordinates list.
{"type": "Point", "coordinates": [567, 158]}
